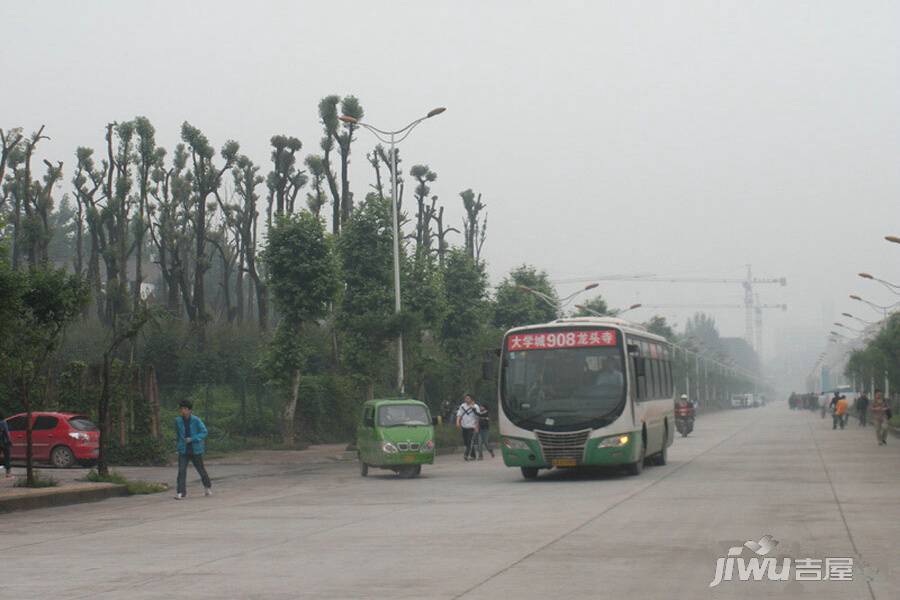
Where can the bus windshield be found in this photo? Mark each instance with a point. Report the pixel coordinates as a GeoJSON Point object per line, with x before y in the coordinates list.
{"type": "Point", "coordinates": [563, 388]}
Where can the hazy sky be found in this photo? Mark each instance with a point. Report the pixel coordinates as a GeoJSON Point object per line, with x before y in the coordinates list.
{"type": "Point", "coordinates": [677, 138]}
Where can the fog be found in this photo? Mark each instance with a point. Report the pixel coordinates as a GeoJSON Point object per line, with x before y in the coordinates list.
{"type": "Point", "coordinates": [681, 139]}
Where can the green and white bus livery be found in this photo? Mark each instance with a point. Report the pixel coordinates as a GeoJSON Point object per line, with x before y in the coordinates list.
{"type": "Point", "coordinates": [585, 391]}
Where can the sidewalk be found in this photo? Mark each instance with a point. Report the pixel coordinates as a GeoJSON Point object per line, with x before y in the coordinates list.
{"type": "Point", "coordinates": [71, 490]}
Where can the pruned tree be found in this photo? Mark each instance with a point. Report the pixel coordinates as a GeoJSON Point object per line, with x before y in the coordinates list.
{"type": "Point", "coordinates": [246, 179]}
{"type": "Point", "coordinates": [148, 158]}
{"type": "Point", "coordinates": [87, 181]}
{"type": "Point", "coordinates": [474, 223]}
{"type": "Point", "coordinates": [424, 211]}
{"type": "Point", "coordinates": [170, 224]}
{"type": "Point", "coordinates": [284, 180]}
{"type": "Point", "coordinates": [338, 136]}
{"type": "Point", "coordinates": [206, 179]}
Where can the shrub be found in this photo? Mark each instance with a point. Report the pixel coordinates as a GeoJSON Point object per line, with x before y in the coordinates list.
{"type": "Point", "coordinates": [40, 481]}
{"type": "Point", "coordinates": [139, 452]}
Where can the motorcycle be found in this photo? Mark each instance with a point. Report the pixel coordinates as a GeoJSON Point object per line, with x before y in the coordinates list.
{"type": "Point", "coordinates": [684, 420]}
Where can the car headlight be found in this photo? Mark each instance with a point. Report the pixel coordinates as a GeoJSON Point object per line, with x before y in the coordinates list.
{"type": "Point", "coordinates": [616, 441]}
{"type": "Point", "coordinates": [427, 447]}
{"type": "Point", "coordinates": [389, 448]}
{"type": "Point", "coordinates": [514, 444]}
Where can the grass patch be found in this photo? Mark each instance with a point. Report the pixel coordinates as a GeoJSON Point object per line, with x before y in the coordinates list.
{"type": "Point", "coordinates": [138, 488]}
{"type": "Point", "coordinates": [40, 481]}
{"type": "Point", "coordinates": [135, 488]}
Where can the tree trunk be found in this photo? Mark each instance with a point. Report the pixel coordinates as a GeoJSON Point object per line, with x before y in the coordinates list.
{"type": "Point", "coordinates": [151, 393]}
{"type": "Point", "coordinates": [29, 450]}
{"type": "Point", "coordinates": [103, 416]}
{"type": "Point", "coordinates": [290, 411]}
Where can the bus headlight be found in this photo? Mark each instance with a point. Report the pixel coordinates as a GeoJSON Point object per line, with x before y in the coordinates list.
{"type": "Point", "coordinates": [427, 447]}
{"type": "Point", "coordinates": [389, 448]}
{"type": "Point", "coordinates": [617, 441]}
{"type": "Point", "coordinates": [514, 444]}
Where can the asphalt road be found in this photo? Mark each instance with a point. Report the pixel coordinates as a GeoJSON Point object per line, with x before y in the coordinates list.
{"type": "Point", "coordinates": [477, 530]}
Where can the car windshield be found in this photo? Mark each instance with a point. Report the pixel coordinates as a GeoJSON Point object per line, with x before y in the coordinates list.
{"type": "Point", "coordinates": [82, 424]}
{"type": "Point", "coordinates": [392, 415]}
{"type": "Point", "coordinates": [563, 387]}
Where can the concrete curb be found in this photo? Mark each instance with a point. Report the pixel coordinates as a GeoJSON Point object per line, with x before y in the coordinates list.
{"type": "Point", "coordinates": [62, 496]}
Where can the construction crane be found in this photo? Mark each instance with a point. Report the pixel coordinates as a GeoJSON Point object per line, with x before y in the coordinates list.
{"type": "Point", "coordinates": [747, 283]}
{"type": "Point", "coordinates": [757, 310]}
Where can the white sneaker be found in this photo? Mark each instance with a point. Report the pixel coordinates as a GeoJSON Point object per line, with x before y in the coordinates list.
{"type": "Point", "coordinates": [207, 492]}
{"type": "Point", "coordinates": [179, 496]}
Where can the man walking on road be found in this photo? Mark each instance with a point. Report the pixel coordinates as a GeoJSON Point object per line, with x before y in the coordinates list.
{"type": "Point", "coordinates": [862, 405]}
{"type": "Point", "coordinates": [191, 433]}
{"type": "Point", "coordinates": [5, 445]}
{"type": "Point", "coordinates": [840, 412]}
{"type": "Point", "coordinates": [467, 420]}
{"type": "Point", "coordinates": [880, 411]}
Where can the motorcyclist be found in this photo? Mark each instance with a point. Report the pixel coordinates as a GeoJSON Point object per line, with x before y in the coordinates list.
{"type": "Point", "coordinates": [683, 402]}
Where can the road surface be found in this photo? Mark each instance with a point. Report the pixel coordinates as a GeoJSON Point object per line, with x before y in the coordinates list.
{"type": "Point", "coordinates": [477, 530]}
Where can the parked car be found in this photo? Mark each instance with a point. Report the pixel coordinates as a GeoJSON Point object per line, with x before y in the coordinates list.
{"type": "Point", "coordinates": [397, 435]}
{"type": "Point", "coordinates": [62, 439]}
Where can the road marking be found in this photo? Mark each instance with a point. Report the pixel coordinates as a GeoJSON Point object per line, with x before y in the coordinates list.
{"type": "Point", "coordinates": [589, 521]}
{"type": "Point", "coordinates": [837, 501]}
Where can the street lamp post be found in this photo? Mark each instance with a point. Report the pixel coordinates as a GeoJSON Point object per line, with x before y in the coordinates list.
{"type": "Point", "coordinates": [391, 138]}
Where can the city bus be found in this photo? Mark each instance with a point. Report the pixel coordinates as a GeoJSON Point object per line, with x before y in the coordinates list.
{"type": "Point", "coordinates": [585, 391]}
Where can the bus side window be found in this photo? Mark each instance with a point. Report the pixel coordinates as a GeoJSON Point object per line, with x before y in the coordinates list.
{"type": "Point", "coordinates": [657, 378]}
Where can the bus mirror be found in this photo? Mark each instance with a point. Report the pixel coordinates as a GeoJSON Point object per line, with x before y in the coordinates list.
{"type": "Point", "coordinates": [639, 368]}
{"type": "Point", "coordinates": [498, 351]}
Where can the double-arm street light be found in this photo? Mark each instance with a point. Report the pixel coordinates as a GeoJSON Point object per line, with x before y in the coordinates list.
{"type": "Point", "coordinates": [849, 328]}
{"type": "Point", "coordinates": [883, 309]}
{"type": "Point", "coordinates": [551, 301]}
{"type": "Point", "coordinates": [863, 321]}
{"type": "Point", "coordinates": [393, 138]}
{"type": "Point", "coordinates": [892, 287]}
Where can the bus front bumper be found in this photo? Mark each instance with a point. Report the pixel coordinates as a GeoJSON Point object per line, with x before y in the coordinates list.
{"type": "Point", "coordinates": [521, 452]}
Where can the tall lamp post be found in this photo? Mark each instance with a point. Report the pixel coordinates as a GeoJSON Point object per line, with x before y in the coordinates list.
{"type": "Point", "coordinates": [393, 138]}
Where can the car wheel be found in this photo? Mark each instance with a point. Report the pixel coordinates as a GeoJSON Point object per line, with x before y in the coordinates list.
{"type": "Point", "coordinates": [530, 472]}
{"type": "Point", "coordinates": [62, 457]}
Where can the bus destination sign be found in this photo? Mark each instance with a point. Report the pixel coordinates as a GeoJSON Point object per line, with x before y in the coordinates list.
{"type": "Point", "coordinates": [550, 340]}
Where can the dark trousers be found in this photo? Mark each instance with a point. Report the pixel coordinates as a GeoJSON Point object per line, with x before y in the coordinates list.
{"type": "Point", "coordinates": [483, 442]}
{"type": "Point", "coordinates": [862, 418]}
{"type": "Point", "coordinates": [197, 459]}
{"type": "Point", "coordinates": [469, 442]}
{"type": "Point", "coordinates": [838, 420]}
{"type": "Point", "coordinates": [7, 456]}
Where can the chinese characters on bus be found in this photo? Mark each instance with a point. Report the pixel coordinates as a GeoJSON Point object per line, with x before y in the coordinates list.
{"type": "Point", "coordinates": [550, 340]}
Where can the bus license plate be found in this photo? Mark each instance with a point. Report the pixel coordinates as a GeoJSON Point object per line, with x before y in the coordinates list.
{"type": "Point", "coordinates": [409, 458]}
{"type": "Point", "coordinates": [564, 462]}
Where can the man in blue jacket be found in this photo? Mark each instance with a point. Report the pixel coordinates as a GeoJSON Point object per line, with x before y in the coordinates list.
{"type": "Point", "coordinates": [191, 433]}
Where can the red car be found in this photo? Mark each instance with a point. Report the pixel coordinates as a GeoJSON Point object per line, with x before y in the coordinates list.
{"type": "Point", "coordinates": [61, 439]}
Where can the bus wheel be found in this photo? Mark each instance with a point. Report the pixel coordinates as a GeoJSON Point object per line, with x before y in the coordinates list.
{"type": "Point", "coordinates": [637, 467]}
{"type": "Point", "coordinates": [661, 457]}
{"type": "Point", "coordinates": [530, 472]}
{"type": "Point", "coordinates": [363, 468]}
